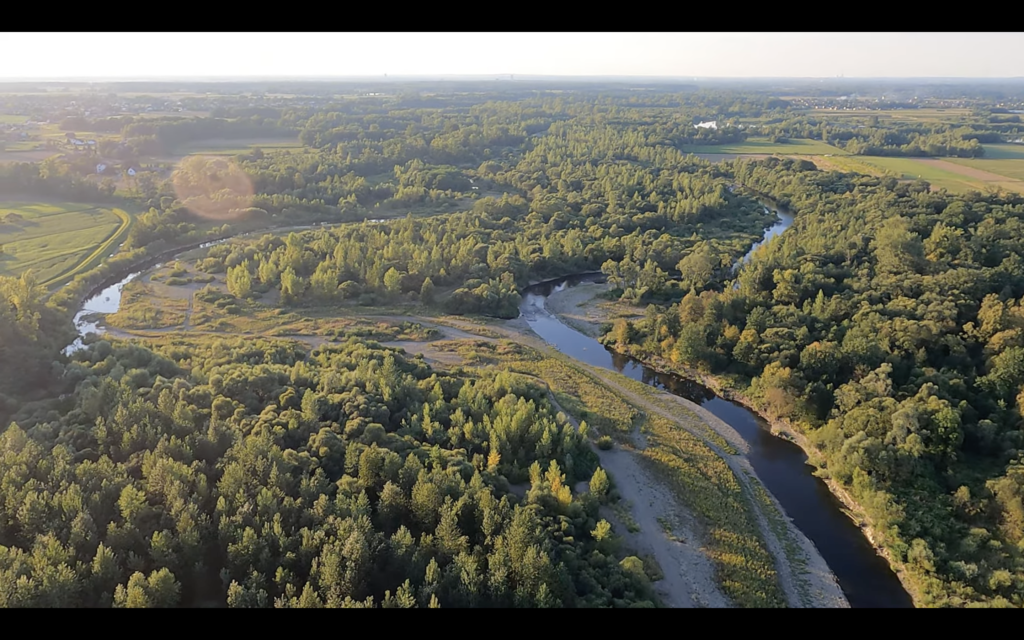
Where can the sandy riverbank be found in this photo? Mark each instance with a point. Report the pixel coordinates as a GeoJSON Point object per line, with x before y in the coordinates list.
{"type": "Point", "coordinates": [579, 307]}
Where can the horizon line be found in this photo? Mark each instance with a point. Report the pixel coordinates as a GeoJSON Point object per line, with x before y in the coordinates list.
{"type": "Point", "coordinates": [505, 77]}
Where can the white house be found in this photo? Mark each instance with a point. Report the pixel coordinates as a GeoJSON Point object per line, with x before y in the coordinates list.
{"type": "Point", "coordinates": [713, 124]}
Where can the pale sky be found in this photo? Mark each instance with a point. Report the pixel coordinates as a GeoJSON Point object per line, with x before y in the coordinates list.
{"type": "Point", "coordinates": [735, 55]}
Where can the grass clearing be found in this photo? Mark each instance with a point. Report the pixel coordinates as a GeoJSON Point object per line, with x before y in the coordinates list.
{"type": "Point", "coordinates": [58, 240]}
{"type": "Point", "coordinates": [140, 309]}
{"type": "Point", "coordinates": [6, 118]}
{"type": "Point", "coordinates": [847, 164]}
{"type": "Point", "coordinates": [765, 146]}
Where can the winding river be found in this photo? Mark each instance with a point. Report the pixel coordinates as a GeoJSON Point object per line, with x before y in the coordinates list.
{"type": "Point", "coordinates": [865, 577]}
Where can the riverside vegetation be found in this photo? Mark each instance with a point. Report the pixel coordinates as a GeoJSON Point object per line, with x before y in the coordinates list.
{"type": "Point", "coordinates": [885, 325]}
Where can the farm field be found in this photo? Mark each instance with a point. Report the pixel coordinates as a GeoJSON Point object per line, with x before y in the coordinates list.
{"type": "Point", "coordinates": [1009, 168]}
{"type": "Point", "coordinates": [234, 147]}
{"type": "Point", "coordinates": [895, 115]}
{"type": "Point", "coordinates": [943, 174]}
{"type": "Point", "coordinates": [765, 146]}
{"type": "Point", "coordinates": [58, 240]}
{"type": "Point", "coordinates": [1004, 151]}
{"type": "Point", "coordinates": [27, 155]}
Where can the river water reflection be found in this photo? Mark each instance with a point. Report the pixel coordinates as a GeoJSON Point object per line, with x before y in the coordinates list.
{"type": "Point", "coordinates": [865, 578]}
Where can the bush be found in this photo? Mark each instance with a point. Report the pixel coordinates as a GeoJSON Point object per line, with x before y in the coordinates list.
{"type": "Point", "coordinates": [604, 443]}
{"type": "Point", "coordinates": [177, 282]}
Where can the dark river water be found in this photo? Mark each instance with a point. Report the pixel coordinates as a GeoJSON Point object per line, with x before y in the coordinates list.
{"type": "Point", "coordinates": [865, 578]}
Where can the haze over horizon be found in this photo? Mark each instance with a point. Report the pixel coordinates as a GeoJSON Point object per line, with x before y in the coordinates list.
{"type": "Point", "coordinates": [165, 56]}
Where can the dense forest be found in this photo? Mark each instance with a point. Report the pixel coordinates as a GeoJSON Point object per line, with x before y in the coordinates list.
{"type": "Point", "coordinates": [886, 324]}
{"type": "Point", "coordinates": [32, 335]}
{"type": "Point", "coordinates": [348, 477]}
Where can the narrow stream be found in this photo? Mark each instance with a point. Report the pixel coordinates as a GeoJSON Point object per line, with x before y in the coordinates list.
{"type": "Point", "coordinates": [108, 300]}
{"type": "Point", "coordinates": [865, 577]}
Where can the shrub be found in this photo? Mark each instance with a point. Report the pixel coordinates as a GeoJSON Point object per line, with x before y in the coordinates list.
{"type": "Point", "coordinates": [604, 443]}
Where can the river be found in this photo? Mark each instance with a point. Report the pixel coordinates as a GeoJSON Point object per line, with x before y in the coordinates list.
{"type": "Point", "coordinates": [865, 577]}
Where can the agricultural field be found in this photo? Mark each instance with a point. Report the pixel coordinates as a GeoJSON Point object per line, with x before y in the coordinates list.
{"type": "Point", "coordinates": [767, 147]}
{"type": "Point", "coordinates": [1004, 151]}
{"type": "Point", "coordinates": [894, 115]}
{"type": "Point", "coordinates": [1012, 169]}
{"type": "Point", "coordinates": [21, 152]}
{"type": "Point", "coordinates": [234, 147]}
{"type": "Point", "coordinates": [956, 176]}
{"type": "Point", "coordinates": [58, 240]}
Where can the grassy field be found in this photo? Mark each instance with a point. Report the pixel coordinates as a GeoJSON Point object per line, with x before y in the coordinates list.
{"type": "Point", "coordinates": [236, 147]}
{"type": "Point", "coordinates": [1004, 152]}
{"type": "Point", "coordinates": [912, 169]}
{"type": "Point", "coordinates": [1013, 169]}
{"type": "Point", "coordinates": [764, 146]}
{"type": "Point", "coordinates": [12, 119]}
{"type": "Point", "coordinates": [58, 240]}
{"type": "Point", "coordinates": [847, 164]}
{"type": "Point", "coordinates": [954, 175]}
{"type": "Point", "coordinates": [894, 115]}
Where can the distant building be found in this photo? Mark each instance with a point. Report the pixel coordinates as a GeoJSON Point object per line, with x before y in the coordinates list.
{"type": "Point", "coordinates": [713, 124]}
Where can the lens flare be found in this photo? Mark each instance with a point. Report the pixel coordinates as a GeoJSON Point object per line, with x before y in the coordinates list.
{"type": "Point", "coordinates": [213, 187]}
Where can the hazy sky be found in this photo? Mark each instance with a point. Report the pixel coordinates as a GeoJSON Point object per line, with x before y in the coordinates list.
{"type": "Point", "coordinates": [819, 55]}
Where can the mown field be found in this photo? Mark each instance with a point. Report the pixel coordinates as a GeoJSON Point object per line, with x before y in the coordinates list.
{"type": "Point", "coordinates": [894, 115]}
{"type": "Point", "coordinates": [1013, 169]}
{"type": "Point", "coordinates": [765, 146]}
{"type": "Point", "coordinates": [235, 147]}
{"type": "Point", "coordinates": [952, 174]}
{"type": "Point", "coordinates": [1004, 151]}
{"type": "Point", "coordinates": [58, 240]}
